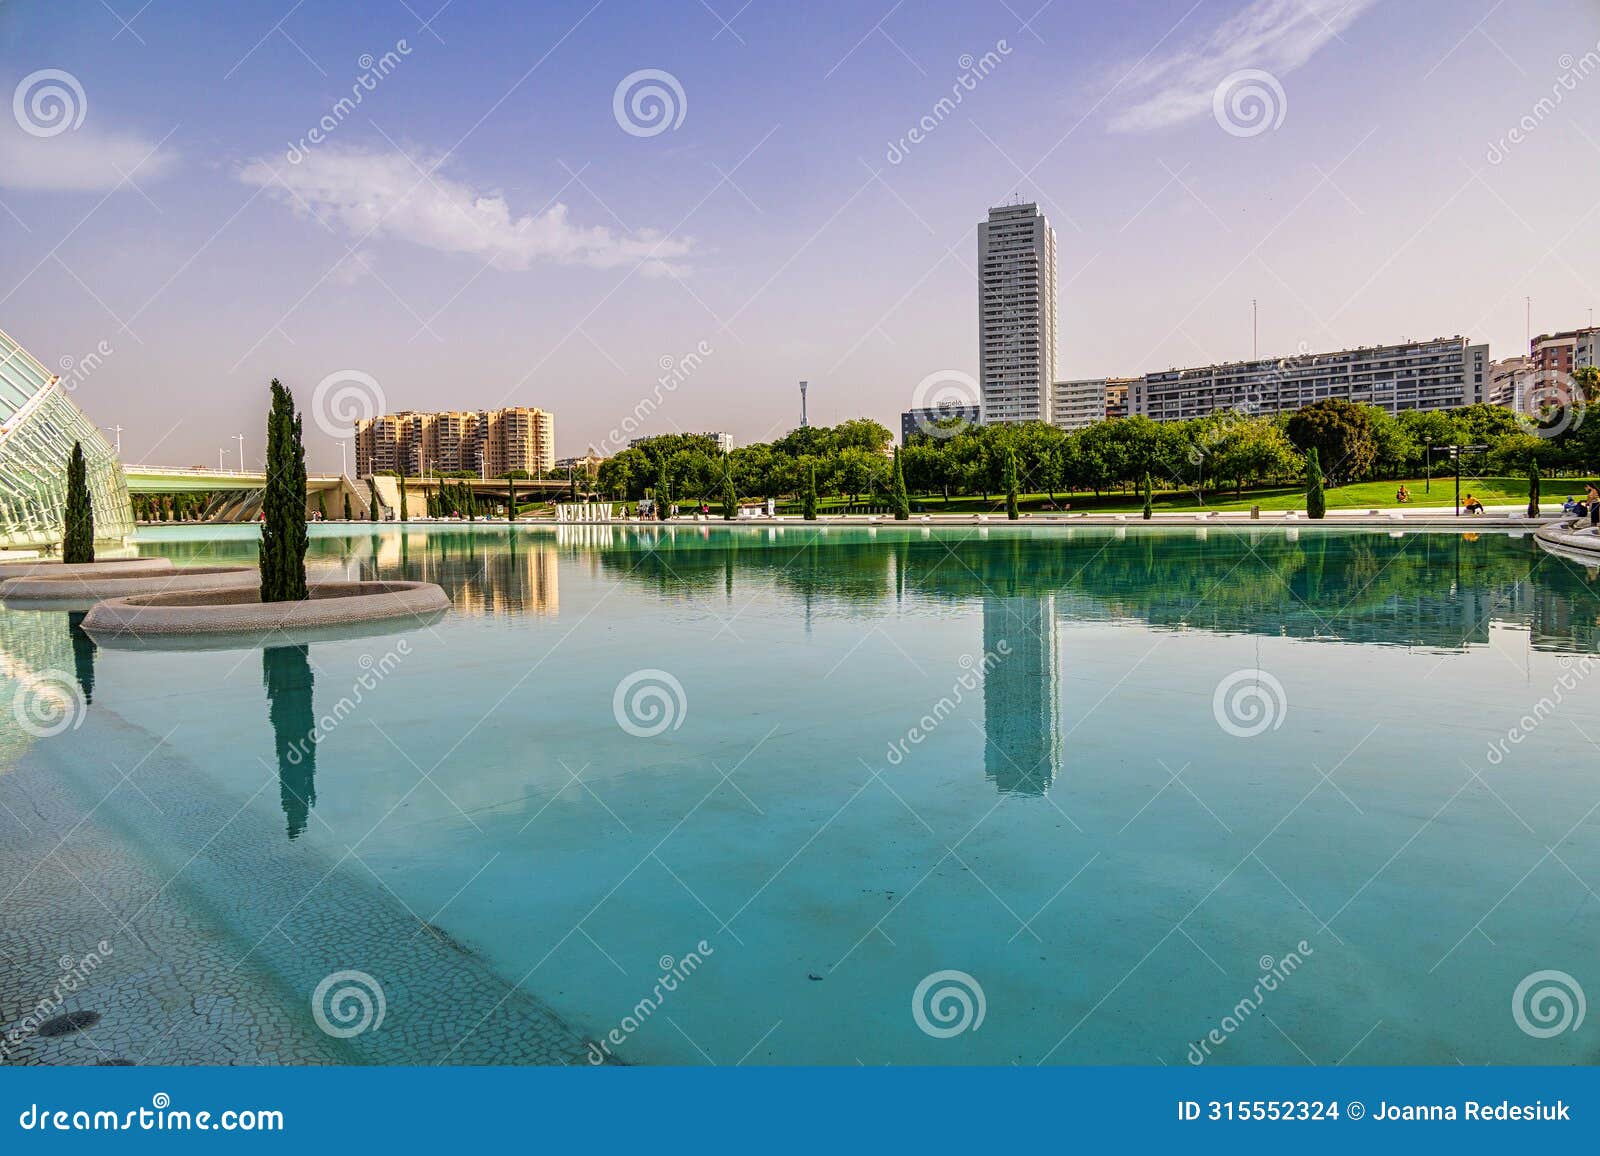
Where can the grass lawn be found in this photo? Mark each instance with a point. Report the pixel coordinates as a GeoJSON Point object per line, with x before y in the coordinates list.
{"type": "Point", "coordinates": [1359, 496]}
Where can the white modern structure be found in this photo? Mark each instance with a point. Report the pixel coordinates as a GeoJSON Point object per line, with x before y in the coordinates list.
{"type": "Point", "coordinates": [1016, 314]}
{"type": "Point", "coordinates": [39, 424]}
{"type": "Point", "coordinates": [1440, 374]}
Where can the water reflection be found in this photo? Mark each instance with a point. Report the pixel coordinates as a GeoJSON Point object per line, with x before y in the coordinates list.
{"type": "Point", "coordinates": [83, 652]}
{"type": "Point", "coordinates": [286, 673]}
{"type": "Point", "coordinates": [1021, 695]}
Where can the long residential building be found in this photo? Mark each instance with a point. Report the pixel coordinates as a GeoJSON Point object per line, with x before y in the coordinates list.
{"type": "Point", "coordinates": [1564, 353]}
{"type": "Point", "coordinates": [490, 442]}
{"type": "Point", "coordinates": [1440, 374]}
{"type": "Point", "coordinates": [1016, 314]}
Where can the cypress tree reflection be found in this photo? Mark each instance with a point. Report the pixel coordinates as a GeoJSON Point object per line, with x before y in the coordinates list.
{"type": "Point", "coordinates": [286, 672]}
{"type": "Point", "coordinates": [83, 652]}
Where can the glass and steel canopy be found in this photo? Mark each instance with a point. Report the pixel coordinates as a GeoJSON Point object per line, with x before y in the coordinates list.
{"type": "Point", "coordinates": [38, 424]}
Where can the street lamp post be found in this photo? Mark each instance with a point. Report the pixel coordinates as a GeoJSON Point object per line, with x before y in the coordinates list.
{"type": "Point", "coordinates": [240, 439]}
{"type": "Point", "coordinates": [117, 429]}
{"type": "Point", "coordinates": [220, 452]}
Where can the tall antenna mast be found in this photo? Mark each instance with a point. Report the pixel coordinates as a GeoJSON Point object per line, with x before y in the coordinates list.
{"type": "Point", "coordinates": [803, 385]}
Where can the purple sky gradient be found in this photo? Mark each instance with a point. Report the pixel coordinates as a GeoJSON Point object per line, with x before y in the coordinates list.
{"type": "Point", "coordinates": [481, 231]}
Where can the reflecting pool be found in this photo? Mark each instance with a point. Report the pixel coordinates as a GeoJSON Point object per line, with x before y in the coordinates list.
{"type": "Point", "coordinates": [879, 795]}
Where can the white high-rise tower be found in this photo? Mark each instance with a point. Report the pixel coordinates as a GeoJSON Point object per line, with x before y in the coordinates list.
{"type": "Point", "coordinates": [1016, 314]}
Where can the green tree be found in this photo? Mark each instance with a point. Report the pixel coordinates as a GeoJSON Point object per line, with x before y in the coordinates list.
{"type": "Point", "coordinates": [730, 496]}
{"type": "Point", "coordinates": [349, 514]}
{"type": "Point", "coordinates": [405, 513]}
{"type": "Point", "coordinates": [1011, 484]}
{"type": "Point", "coordinates": [511, 498]}
{"type": "Point", "coordinates": [322, 507]}
{"type": "Point", "coordinates": [283, 528]}
{"type": "Point", "coordinates": [1316, 500]}
{"type": "Point", "coordinates": [809, 500]}
{"type": "Point", "coordinates": [1533, 491]}
{"type": "Point", "coordinates": [1341, 433]}
{"type": "Point", "coordinates": [897, 496]}
{"type": "Point", "coordinates": [1147, 510]}
{"type": "Point", "coordinates": [77, 535]}
{"type": "Point", "coordinates": [663, 491]}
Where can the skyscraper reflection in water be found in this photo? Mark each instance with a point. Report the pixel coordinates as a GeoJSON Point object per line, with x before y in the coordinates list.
{"type": "Point", "coordinates": [1021, 703]}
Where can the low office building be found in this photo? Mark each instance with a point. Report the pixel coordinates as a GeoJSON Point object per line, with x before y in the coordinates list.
{"type": "Point", "coordinates": [930, 419]}
{"type": "Point", "coordinates": [1441, 374]}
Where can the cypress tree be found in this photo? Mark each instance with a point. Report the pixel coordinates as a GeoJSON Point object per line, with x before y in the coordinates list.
{"type": "Point", "coordinates": [661, 490]}
{"type": "Point", "coordinates": [511, 498]}
{"type": "Point", "coordinates": [730, 496]}
{"type": "Point", "coordinates": [77, 535]}
{"type": "Point", "coordinates": [808, 507]}
{"type": "Point", "coordinates": [283, 530]}
{"type": "Point", "coordinates": [1147, 510]}
{"type": "Point", "coordinates": [1533, 489]}
{"type": "Point", "coordinates": [1011, 484]}
{"type": "Point", "coordinates": [372, 498]}
{"type": "Point", "coordinates": [897, 496]}
{"type": "Point", "coordinates": [322, 506]}
{"type": "Point", "coordinates": [405, 515]}
{"type": "Point", "coordinates": [1316, 501]}
{"type": "Point", "coordinates": [349, 515]}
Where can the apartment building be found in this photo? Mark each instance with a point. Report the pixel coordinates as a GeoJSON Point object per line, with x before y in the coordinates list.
{"type": "Point", "coordinates": [1440, 374]}
{"type": "Point", "coordinates": [1016, 314]}
{"type": "Point", "coordinates": [490, 442]}
{"type": "Point", "coordinates": [1077, 404]}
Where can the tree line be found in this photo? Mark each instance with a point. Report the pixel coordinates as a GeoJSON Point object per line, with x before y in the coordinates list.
{"type": "Point", "coordinates": [1220, 453]}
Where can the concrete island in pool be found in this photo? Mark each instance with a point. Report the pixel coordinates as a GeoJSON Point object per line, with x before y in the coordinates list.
{"type": "Point", "coordinates": [241, 611]}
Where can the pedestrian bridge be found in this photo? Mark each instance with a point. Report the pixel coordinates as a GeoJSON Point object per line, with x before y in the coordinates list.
{"type": "Point", "coordinates": [236, 494]}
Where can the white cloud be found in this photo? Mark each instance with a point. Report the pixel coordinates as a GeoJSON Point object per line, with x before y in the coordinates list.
{"type": "Point", "coordinates": [1276, 36]}
{"type": "Point", "coordinates": [82, 160]}
{"type": "Point", "coordinates": [386, 194]}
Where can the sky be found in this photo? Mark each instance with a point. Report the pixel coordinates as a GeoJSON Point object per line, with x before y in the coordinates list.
{"type": "Point", "coordinates": [561, 204]}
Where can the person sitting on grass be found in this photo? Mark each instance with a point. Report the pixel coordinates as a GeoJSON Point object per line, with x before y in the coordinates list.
{"type": "Point", "coordinates": [1472, 505]}
{"type": "Point", "coordinates": [1402, 495]}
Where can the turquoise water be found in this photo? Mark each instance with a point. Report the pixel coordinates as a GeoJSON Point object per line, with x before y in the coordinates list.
{"type": "Point", "coordinates": [888, 753]}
